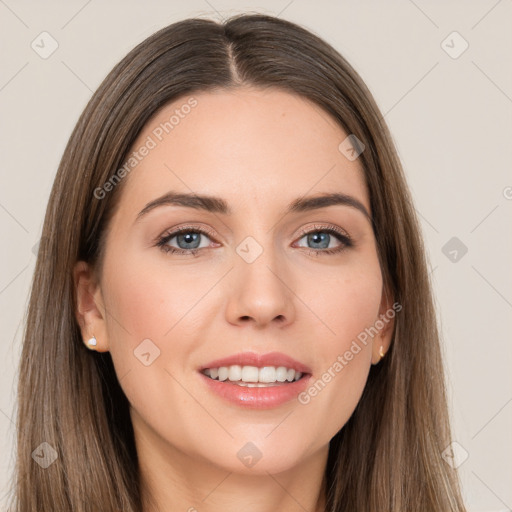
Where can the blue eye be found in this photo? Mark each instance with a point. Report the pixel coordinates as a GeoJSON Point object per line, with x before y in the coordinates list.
{"type": "Point", "coordinates": [321, 237]}
{"type": "Point", "coordinates": [189, 239]}
{"type": "Point", "coordinates": [184, 236]}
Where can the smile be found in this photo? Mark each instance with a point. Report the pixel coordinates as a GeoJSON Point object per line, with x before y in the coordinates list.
{"type": "Point", "coordinates": [252, 376]}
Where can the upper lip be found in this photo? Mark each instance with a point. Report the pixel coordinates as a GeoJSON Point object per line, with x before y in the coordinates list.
{"type": "Point", "coordinates": [253, 359]}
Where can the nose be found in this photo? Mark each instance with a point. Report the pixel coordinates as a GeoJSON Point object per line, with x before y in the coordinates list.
{"type": "Point", "coordinates": [260, 292]}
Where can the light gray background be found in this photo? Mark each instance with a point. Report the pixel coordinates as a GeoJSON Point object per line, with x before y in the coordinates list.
{"type": "Point", "coordinates": [451, 119]}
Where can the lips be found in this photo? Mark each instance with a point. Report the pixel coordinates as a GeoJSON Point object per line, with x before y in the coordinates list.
{"type": "Point", "coordinates": [260, 360]}
{"type": "Point", "coordinates": [255, 397]}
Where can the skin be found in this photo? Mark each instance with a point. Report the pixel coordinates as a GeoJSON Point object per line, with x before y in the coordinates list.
{"type": "Point", "coordinates": [258, 150]}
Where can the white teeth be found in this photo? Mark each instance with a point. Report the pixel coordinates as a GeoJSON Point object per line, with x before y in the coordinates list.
{"type": "Point", "coordinates": [267, 374]}
{"type": "Point", "coordinates": [282, 373]}
{"type": "Point", "coordinates": [253, 374]}
{"type": "Point", "coordinates": [223, 373]}
{"type": "Point", "coordinates": [258, 384]}
{"type": "Point", "coordinates": [250, 374]}
{"type": "Point", "coordinates": [292, 375]}
{"type": "Point", "coordinates": [235, 373]}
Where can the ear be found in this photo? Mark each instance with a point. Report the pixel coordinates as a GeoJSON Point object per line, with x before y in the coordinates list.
{"type": "Point", "coordinates": [385, 324]}
{"type": "Point", "coordinates": [90, 312]}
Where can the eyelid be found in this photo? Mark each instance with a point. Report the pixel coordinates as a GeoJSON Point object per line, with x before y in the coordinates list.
{"type": "Point", "coordinates": [320, 227]}
{"type": "Point", "coordinates": [343, 237]}
{"type": "Point", "coordinates": [303, 231]}
{"type": "Point", "coordinates": [185, 227]}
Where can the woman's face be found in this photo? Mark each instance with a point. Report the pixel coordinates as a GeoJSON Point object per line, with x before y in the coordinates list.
{"type": "Point", "coordinates": [257, 282]}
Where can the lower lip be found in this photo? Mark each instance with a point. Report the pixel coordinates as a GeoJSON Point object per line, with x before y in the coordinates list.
{"type": "Point", "coordinates": [257, 398]}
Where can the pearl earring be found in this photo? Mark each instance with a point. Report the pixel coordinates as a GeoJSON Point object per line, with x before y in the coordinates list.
{"type": "Point", "coordinates": [92, 342]}
{"type": "Point", "coordinates": [381, 352]}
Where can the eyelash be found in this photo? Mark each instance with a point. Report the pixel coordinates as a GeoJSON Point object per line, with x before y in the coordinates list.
{"type": "Point", "coordinates": [341, 236]}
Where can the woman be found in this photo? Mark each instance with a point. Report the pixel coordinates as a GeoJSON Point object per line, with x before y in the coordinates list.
{"type": "Point", "coordinates": [231, 306]}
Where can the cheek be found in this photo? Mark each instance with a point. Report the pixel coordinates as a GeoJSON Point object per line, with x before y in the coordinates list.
{"type": "Point", "coordinates": [149, 306]}
{"type": "Point", "coordinates": [345, 300]}
{"type": "Point", "coordinates": [348, 307]}
{"type": "Point", "coordinates": [150, 298]}
{"type": "Point", "coordinates": [149, 330]}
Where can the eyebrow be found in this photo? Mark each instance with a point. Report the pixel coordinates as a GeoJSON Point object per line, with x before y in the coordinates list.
{"type": "Point", "coordinates": [218, 205]}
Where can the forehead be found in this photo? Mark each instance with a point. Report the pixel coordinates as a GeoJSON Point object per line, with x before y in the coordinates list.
{"type": "Point", "coordinates": [247, 145]}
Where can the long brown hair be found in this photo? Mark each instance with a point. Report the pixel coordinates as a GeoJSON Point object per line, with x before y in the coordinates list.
{"type": "Point", "coordinates": [388, 456]}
